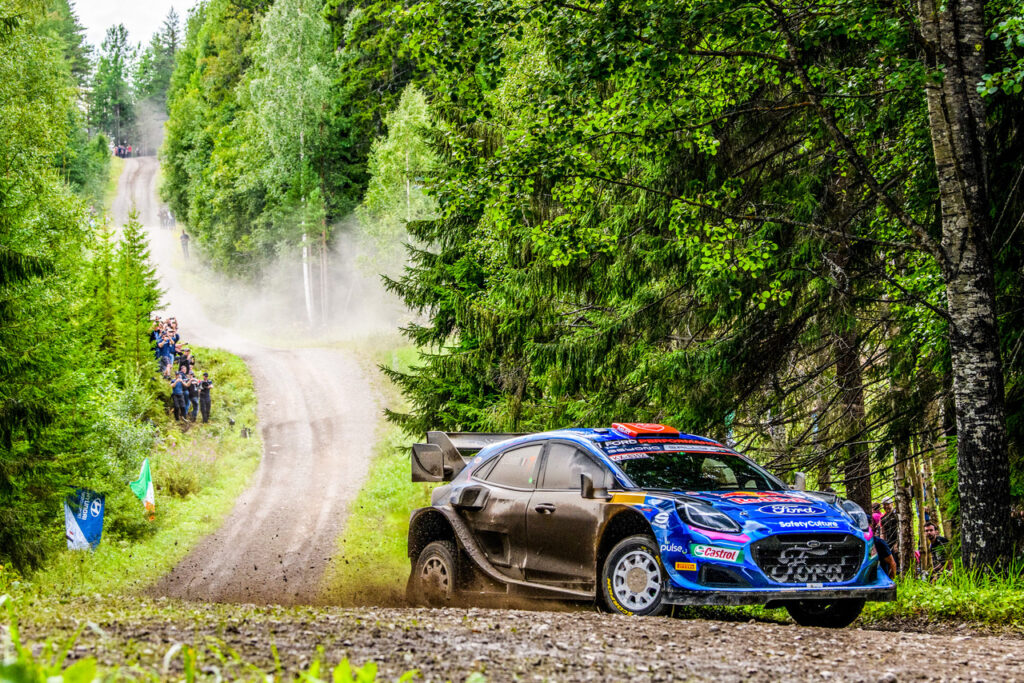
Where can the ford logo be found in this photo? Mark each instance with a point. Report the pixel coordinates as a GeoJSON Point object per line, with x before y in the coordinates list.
{"type": "Point", "coordinates": [783, 509]}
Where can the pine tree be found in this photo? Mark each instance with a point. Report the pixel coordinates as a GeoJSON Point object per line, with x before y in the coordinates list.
{"type": "Point", "coordinates": [111, 105]}
{"type": "Point", "coordinates": [138, 293]}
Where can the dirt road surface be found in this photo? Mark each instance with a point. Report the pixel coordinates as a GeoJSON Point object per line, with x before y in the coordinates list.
{"type": "Point", "coordinates": [508, 645]}
{"type": "Point", "coordinates": [318, 412]}
{"type": "Point", "coordinates": [317, 409]}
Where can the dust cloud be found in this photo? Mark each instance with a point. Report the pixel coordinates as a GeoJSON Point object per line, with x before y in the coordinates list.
{"type": "Point", "coordinates": [348, 300]}
{"type": "Point", "coordinates": [150, 117]}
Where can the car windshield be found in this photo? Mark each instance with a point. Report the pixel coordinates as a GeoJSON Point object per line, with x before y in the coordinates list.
{"type": "Point", "coordinates": [686, 471]}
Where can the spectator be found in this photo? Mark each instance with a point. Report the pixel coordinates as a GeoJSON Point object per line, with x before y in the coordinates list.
{"type": "Point", "coordinates": [193, 396]}
{"type": "Point", "coordinates": [184, 244]}
{"type": "Point", "coordinates": [178, 396]}
{"type": "Point", "coordinates": [885, 557]}
{"type": "Point", "coordinates": [189, 394]}
{"type": "Point", "coordinates": [938, 547]}
{"type": "Point", "coordinates": [204, 396]}
{"type": "Point", "coordinates": [890, 523]}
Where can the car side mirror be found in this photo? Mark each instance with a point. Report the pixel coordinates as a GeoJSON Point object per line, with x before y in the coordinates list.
{"type": "Point", "coordinates": [589, 491]}
{"type": "Point", "coordinates": [800, 481]}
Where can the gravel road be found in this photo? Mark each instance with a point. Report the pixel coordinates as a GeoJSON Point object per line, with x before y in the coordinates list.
{"type": "Point", "coordinates": [316, 409]}
{"type": "Point", "coordinates": [507, 645]}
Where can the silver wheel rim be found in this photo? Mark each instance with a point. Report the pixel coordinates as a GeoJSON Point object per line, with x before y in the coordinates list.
{"type": "Point", "coordinates": [436, 577]}
{"type": "Point", "coordinates": [636, 580]}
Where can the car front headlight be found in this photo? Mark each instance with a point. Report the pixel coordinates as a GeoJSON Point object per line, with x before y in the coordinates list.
{"type": "Point", "coordinates": [856, 513]}
{"type": "Point", "coordinates": [704, 516]}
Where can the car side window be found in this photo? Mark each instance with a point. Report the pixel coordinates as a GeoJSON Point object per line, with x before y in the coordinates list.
{"type": "Point", "coordinates": [516, 468]}
{"type": "Point", "coordinates": [564, 465]}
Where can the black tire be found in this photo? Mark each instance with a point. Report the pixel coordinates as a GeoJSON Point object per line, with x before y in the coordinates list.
{"type": "Point", "coordinates": [632, 578]}
{"type": "Point", "coordinates": [825, 613]}
{"type": "Point", "coordinates": [434, 581]}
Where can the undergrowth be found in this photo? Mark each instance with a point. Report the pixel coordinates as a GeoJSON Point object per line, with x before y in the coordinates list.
{"type": "Point", "coordinates": [198, 471]}
{"type": "Point", "coordinates": [957, 596]}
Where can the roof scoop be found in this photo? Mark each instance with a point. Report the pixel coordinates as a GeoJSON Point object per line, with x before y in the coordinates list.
{"type": "Point", "coordinates": [635, 429]}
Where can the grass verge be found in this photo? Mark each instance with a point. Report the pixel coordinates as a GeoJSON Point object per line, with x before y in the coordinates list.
{"type": "Point", "coordinates": [371, 565]}
{"type": "Point", "coordinates": [956, 597]}
{"type": "Point", "coordinates": [110, 189]}
{"type": "Point", "coordinates": [198, 472]}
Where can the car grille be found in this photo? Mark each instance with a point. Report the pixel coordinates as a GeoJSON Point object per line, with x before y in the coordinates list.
{"type": "Point", "coordinates": [809, 558]}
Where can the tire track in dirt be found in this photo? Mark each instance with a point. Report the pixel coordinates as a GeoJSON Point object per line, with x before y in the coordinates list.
{"type": "Point", "coordinates": [318, 413]}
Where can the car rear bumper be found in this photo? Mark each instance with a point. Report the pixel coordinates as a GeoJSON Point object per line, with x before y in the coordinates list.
{"type": "Point", "coordinates": [777, 596]}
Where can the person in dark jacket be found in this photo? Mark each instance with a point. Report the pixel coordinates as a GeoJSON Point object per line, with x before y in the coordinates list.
{"type": "Point", "coordinates": [178, 396]}
{"type": "Point", "coordinates": [204, 396]}
{"type": "Point", "coordinates": [192, 384]}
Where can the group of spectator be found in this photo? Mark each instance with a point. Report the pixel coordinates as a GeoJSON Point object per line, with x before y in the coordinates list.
{"type": "Point", "coordinates": [190, 395]}
{"type": "Point", "coordinates": [123, 151]}
{"type": "Point", "coordinates": [885, 525]}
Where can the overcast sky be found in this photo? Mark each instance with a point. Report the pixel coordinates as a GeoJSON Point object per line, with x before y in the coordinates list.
{"type": "Point", "coordinates": [142, 18]}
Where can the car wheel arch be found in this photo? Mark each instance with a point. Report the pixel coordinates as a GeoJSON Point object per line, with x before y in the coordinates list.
{"type": "Point", "coordinates": [426, 526]}
{"type": "Point", "coordinates": [623, 524]}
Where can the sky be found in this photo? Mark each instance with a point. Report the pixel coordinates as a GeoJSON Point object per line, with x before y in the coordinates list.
{"type": "Point", "coordinates": [142, 18]}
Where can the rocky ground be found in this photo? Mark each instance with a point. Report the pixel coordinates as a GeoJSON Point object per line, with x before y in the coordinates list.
{"type": "Point", "coordinates": [504, 645]}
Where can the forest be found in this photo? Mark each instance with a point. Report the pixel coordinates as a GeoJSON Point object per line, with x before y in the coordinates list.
{"type": "Point", "coordinates": [794, 226]}
{"type": "Point", "coordinates": [75, 298]}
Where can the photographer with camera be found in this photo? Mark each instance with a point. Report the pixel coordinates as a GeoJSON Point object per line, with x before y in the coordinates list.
{"type": "Point", "coordinates": [204, 396]}
{"type": "Point", "coordinates": [178, 396]}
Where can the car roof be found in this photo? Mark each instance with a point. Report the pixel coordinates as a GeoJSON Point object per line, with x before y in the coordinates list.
{"type": "Point", "coordinates": [595, 436]}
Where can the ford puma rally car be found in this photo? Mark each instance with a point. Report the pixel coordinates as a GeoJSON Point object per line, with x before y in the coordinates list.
{"type": "Point", "coordinates": [638, 517]}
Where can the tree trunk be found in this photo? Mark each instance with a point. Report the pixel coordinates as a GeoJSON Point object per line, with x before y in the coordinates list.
{"type": "Point", "coordinates": [915, 475]}
{"type": "Point", "coordinates": [904, 545]}
{"type": "Point", "coordinates": [957, 125]}
{"type": "Point", "coordinates": [857, 468]}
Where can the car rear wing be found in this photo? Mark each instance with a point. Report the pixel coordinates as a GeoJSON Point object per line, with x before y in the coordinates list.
{"type": "Point", "coordinates": [446, 453]}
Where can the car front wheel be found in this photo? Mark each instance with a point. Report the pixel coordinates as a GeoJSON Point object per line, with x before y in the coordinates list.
{"type": "Point", "coordinates": [435, 576]}
{"type": "Point", "coordinates": [632, 581]}
{"type": "Point", "coordinates": [825, 613]}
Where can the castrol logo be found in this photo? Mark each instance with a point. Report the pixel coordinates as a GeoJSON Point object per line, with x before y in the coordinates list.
{"type": "Point", "coordinates": [712, 552]}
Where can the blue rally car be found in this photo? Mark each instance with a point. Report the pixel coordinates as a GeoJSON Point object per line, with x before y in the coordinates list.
{"type": "Point", "coordinates": [637, 517]}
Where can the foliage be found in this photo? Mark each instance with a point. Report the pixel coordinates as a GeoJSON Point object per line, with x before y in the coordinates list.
{"type": "Point", "coordinates": [152, 77]}
{"type": "Point", "coordinates": [717, 215]}
{"type": "Point", "coordinates": [273, 110]}
{"type": "Point", "coordinates": [197, 475]}
{"type": "Point", "coordinates": [399, 165]}
{"type": "Point", "coordinates": [958, 596]}
{"type": "Point", "coordinates": [111, 107]}
{"type": "Point", "coordinates": [61, 398]}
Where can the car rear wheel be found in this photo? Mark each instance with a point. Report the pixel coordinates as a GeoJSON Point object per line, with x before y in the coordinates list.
{"type": "Point", "coordinates": [435, 577]}
{"type": "Point", "coordinates": [632, 580]}
{"type": "Point", "coordinates": [825, 613]}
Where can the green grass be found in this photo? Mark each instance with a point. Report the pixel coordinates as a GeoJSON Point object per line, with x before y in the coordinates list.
{"type": "Point", "coordinates": [110, 189]}
{"type": "Point", "coordinates": [958, 596]}
{"type": "Point", "coordinates": [198, 472]}
{"type": "Point", "coordinates": [371, 565]}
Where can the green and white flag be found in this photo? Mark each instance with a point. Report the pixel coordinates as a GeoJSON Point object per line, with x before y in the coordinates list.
{"type": "Point", "coordinates": [143, 487]}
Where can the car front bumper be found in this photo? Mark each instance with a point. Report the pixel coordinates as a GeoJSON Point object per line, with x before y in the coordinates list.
{"type": "Point", "coordinates": [775, 597]}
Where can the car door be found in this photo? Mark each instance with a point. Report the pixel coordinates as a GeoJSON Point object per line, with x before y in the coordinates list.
{"type": "Point", "coordinates": [562, 525]}
{"type": "Point", "coordinates": [500, 525]}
